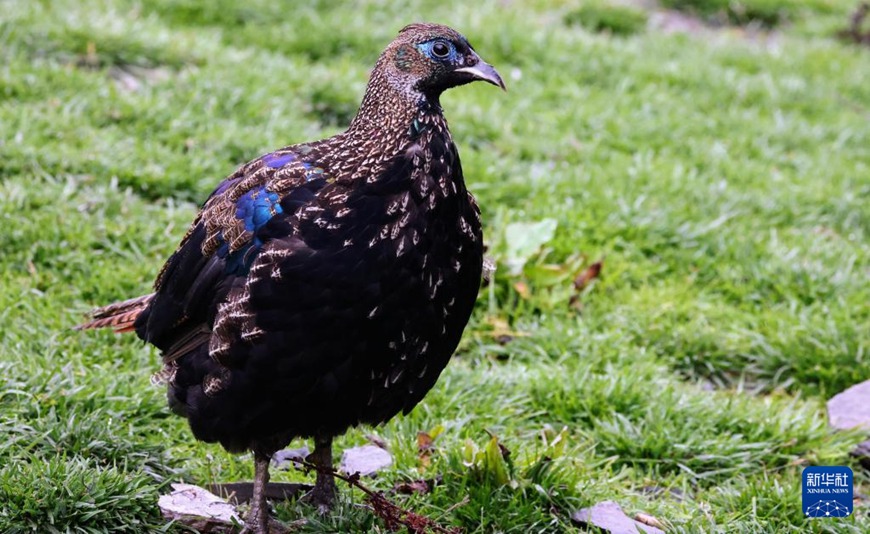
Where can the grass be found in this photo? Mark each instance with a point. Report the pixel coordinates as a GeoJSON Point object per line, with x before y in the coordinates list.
{"type": "Point", "coordinates": [606, 17]}
{"type": "Point", "coordinates": [763, 12]}
{"type": "Point", "coordinates": [723, 180]}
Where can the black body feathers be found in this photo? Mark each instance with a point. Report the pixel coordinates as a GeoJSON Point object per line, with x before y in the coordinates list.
{"type": "Point", "coordinates": [327, 284]}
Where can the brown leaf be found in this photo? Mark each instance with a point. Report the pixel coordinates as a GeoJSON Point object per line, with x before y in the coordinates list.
{"type": "Point", "coordinates": [590, 273]}
{"type": "Point", "coordinates": [523, 289]}
{"type": "Point", "coordinates": [414, 486]}
{"type": "Point", "coordinates": [424, 448]}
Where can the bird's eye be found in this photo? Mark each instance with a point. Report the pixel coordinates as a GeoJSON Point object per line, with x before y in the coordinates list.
{"type": "Point", "coordinates": [440, 49]}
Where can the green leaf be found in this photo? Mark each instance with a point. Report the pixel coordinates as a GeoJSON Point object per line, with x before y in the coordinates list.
{"type": "Point", "coordinates": [495, 463]}
{"type": "Point", "coordinates": [524, 240]}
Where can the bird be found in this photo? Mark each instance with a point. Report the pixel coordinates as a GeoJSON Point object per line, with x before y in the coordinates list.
{"type": "Point", "coordinates": [325, 284]}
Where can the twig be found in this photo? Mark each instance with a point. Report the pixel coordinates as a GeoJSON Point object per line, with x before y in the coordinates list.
{"type": "Point", "coordinates": [393, 515]}
{"type": "Point", "coordinates": [855, 21]}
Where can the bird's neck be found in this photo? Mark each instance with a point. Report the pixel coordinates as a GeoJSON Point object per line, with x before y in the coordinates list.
{"type": "Point", "coordinates": [390, 105]}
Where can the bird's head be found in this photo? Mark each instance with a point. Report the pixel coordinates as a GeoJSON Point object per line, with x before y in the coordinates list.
{"type": "Point", "coordinates": [430, 58]}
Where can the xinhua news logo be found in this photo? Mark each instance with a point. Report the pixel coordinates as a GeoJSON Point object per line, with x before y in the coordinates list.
{"type": "Point", "coordinates": [827, 491]}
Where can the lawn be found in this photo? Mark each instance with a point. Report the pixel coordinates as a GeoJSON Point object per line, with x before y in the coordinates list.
{"type": "Point", "coordinates": [722, 176]}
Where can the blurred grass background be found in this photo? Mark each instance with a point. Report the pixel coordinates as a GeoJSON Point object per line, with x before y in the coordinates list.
{"type": "Point", "coordinates": [721, 171]}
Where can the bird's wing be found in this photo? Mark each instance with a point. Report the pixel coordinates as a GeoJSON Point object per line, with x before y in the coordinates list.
{"type": "Point", "coordinates": [244, 212]}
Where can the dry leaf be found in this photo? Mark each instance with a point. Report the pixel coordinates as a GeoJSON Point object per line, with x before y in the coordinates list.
{"type": "Point", "coordinates": [414, 486]}
{"type": "Point", "coordinates": [608, 515]}
{"type": "Point", "coordinates": [523, 289]}
{"type": "Point", "coordinates": [590, 273]}
{"type": "Point", "coordinates": [424, 448]}
{"type": "Point", "coordinates": [851, 408]}
{"type": "Point", "coordinates": [365, 460]}
{"type": "Point", "coordinates": [198, 508]}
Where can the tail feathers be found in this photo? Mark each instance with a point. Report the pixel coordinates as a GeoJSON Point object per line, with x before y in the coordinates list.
{"type": "Point", "coordinates": [119, 316]}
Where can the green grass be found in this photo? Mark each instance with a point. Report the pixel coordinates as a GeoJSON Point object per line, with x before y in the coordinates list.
{"type": "Point", "coordinates": [606, 17]}
{"type": "Point", "coordinates": [763, 12]}
{"type": "Point", "coordinates": [724, 181]}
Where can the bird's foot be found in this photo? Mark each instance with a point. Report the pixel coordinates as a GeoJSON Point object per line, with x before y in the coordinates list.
{"type": "Point", "coordinates": [274, 527]}
{"type": "Point", "coordinates": [323, 494]}
{"type": "Point", "coordinates": [257, 520]}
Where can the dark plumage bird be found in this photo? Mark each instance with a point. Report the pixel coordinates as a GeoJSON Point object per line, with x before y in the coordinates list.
{"type": "Point", "coordinates": [325, 284]}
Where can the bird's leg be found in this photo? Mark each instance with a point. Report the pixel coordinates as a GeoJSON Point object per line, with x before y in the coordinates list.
{"type": "Point", "coordinates": [323, 493]}
{"type": "Point", "coordinates": [257, 521]}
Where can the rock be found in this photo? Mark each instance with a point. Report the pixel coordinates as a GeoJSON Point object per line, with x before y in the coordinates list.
{"type": "Point", "coordinates": [365, 460]}
{"type": "Point", "coordinates": [609, 516]}
{"type": "Point", "coordinates": [198, 508]}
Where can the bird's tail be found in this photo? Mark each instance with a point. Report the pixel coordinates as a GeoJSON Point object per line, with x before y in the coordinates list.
{"type": "Point", "coordinates": [119, 316]}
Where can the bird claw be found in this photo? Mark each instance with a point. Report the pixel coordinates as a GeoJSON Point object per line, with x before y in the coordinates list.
{"type": "Point", "coordinates": [322, 497]}
{"type": "Point", "coordinates": [256, 522]}
{"type": "Point", "coordinates": [274, 527]}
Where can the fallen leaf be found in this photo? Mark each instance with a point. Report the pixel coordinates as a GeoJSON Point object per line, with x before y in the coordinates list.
{"type": "Point", "coordinates": [198, 508]}
{"type": "Point", "coordinates": [414, 486]}
{"type": "Point", "coordinates": [590, 273]}
{"type": "Point", "coordinates": [523, 289]}
{"type": "Point", "coordinates": [524, 240]}
{"type": "Point", "coordinates": [851, 408]}
{"type": "Point", "coordinates": [424, 442]}
{"type": "Point", "coordinates": [425, 447]}
{"type": "Point", "coordinates": [608, 515]}
{"type": "Point", "coordinates": [365, 460]}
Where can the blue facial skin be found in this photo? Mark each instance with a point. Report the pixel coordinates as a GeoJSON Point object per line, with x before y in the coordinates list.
{"type": "Point", "coordinates": [427, 49]}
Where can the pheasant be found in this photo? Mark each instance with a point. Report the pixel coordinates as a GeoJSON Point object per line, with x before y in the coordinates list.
{"type": "Point", "coordinates": [325, 284]}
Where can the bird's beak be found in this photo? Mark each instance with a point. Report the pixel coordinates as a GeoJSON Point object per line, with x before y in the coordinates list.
{"type": "Point", "coordinates": [485, 72]}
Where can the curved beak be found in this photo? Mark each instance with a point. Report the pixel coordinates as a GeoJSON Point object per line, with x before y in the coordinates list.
{"type": "Point", "coordinates": [485, 72]}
